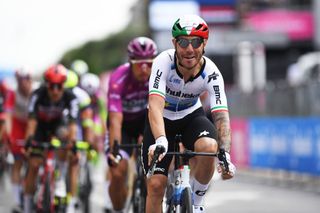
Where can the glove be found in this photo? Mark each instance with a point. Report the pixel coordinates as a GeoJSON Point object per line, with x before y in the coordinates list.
{"type": "Point", "coordinates": [28, 142]}
{"type": "Point", "coordinates": [226, 167]}
{"type": "Point", "coordinates": [160, 141]}
{"type": "Point", "coordinates": [113, 158]}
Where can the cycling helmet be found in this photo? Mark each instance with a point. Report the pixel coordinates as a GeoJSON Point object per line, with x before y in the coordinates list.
{"type": "Point", "coordinates": [23, 72]}
{"type": "Point", "coordinates": [142, 48]}
{"type": "Point", "coordinates": [72, 80]}
{"type": "Point", "coordinates": [80, 67]}
{"type": "Point", "coordinates": [191, 25]}
{"type": "Point", "coordinates": [90, 83]}
{"type": "Point", "coordinates": [56, 74]}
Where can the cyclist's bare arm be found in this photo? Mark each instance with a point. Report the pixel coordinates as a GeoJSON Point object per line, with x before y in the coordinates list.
{"type": "Point", "coordinates": [73, 131]}
{"type": "Point", "coordinates": [31, 127]}
{"type": "Point", "coordinates": [155, 113]}
{"type": "Point", "coordinates": [115, 125]}
{"type": "Point", "coordinates": [87, 125]}
{"type": "Point", "coordinates": [222, 123]}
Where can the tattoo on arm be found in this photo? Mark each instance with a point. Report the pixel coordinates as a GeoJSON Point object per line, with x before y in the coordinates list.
{"type": "Point", "coordinates": [222, 123]}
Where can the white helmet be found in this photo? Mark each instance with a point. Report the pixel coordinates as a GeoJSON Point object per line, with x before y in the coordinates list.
{"type": "Point", "coordinates": [90, 83]}
{"type": "Point", "coordinates": [80, 67]}
{"type": "Point", "coordinates": [23, 72]}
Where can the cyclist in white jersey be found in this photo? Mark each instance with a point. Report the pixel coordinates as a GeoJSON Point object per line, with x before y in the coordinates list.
{"type": "Point", "coordinates": [178, 77]}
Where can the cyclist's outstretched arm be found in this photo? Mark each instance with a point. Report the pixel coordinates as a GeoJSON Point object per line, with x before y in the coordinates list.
{"type": "Point", "coordinates": [31, 127]}
{"type": "Point", "coordinates": [115, 125]}
{"type": "Point", "coordinates": [156, 106]}
{"type": "Point", "coordinates": [155, 113]}
{"type": "Point", "coordinates": [222, 123]}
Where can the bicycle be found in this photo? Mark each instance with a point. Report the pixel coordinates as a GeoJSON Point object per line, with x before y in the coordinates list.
{"type": "Point", "coordinates": [45, 198]}
{"type": "Point", "coordinates": [179, 194]}
{"type": "Point", "coordinates": [139, 191]}
{"type": "Point", "coordinates": [85, 182]}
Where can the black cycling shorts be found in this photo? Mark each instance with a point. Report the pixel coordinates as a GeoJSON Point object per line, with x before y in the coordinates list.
{"type": "Point", "coordinates": [192, 127]}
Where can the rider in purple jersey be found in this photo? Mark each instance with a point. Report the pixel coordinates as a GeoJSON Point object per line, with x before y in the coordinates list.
{"type": "Point", "coordinates": [127, 94]}
{"type": "Point", "coordinates": [127, 107]}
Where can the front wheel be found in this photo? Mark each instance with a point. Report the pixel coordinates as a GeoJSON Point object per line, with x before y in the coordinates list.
{"type": "Point", "coordinates": [139, 196]}
{"type": "Point", "coordinates": [186, 198]}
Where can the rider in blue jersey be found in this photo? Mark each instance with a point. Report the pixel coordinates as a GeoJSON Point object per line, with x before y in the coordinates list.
{"type": "Point", "coordinates": [178, 77]}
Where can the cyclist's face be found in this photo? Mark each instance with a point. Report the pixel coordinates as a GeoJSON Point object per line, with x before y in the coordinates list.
{"type": "Point", "coordinates": [25, 85]}
{"type": "Point", "coordinates": [55, 91]}
{"type": "Point", "coordinates": [189, 50]}
{"type": "Point", "coordinates": [141, 69]}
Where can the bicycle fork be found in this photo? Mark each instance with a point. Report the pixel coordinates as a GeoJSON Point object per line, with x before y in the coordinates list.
{"type": "Point", "coordinates": [181, 181]}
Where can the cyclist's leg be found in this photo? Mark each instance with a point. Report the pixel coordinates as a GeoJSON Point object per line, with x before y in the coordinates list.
{"type": "Point", "coordinates": [199, 136]}
{"type": "Point", "coordinates": [118, 188]}
{"type": "Point", "coordinates": [16, 179]}
{"type": "Point", "coordinates": [157, 183]}
{"type": "Point", "coordinates": [34, 163]}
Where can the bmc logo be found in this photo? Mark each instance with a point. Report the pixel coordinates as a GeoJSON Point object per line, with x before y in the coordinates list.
{"type": "Point", "coordinates": [157, 80]}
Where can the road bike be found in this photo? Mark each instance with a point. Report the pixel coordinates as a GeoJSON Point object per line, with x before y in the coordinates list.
{"type": "Point", "coordinates": [139, 191]}
{"type": "Point", "coordinates": [46, 198]}
{"type": "Point", "coordinates": [179, 194]}
{"type": "Point", "coordinates": [85, 182]}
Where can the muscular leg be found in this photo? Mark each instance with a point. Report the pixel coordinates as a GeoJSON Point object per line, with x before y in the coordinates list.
{"type": "Point", "coordinates": [156, 186]}
{"type": "Point", "coordinates": [118, 184]}
{"type": "Point", "coordinates": [203, 167]}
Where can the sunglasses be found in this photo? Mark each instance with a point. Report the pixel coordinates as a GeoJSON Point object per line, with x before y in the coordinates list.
{"type": "Point", "coordinates": [53, 86]}
{"type": "Point", "coordinates": [142, 62]}
{"type": "Point", "coordinates": [195, 42]}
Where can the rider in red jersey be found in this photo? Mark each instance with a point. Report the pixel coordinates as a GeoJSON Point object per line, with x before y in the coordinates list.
{"type": "Point", "coordinates": [19, 116]}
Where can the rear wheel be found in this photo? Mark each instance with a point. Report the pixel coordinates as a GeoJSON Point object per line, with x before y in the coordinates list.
{"type": "Point", "coordinates": [46, 202]}
{"type": "Point", "coordinates": [85, 188]}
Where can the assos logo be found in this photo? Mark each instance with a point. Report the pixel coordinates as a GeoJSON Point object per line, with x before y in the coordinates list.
{"type": "Point", "coordinates": [157, 79]}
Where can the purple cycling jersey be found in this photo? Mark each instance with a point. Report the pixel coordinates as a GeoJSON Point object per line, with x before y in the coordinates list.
{"type": "Point", "coordinates": [126, 94]}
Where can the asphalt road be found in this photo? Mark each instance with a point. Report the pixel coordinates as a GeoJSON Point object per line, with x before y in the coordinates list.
{"type": "Point", "coordinates": [248, 192]}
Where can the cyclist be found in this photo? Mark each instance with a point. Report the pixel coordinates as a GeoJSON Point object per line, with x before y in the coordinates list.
{"type": "Point", "coordinates": [85, 132]}
{"type": "Point", "coordinates": [6, 104]}
{"type": "Point", "coordinates": [91, 84]}
{"type": "Point", "coordinates": [178, 77]}
{"type": "Point", "coordinates": [19, 116]}
{"type": "Point", "coordinates": [127, 102]}
{"type": "Point", "coordinates": [52, 109]}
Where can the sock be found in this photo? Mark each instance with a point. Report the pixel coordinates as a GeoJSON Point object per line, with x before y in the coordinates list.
{"type": "Point", "coordinates": [16, 191]}
{"type": "Point", "coordinates": [27, 203]}
{"type": "Point", "coordinates": [108, 204]}
{"type": "Point", "coordinates": [199, 191]}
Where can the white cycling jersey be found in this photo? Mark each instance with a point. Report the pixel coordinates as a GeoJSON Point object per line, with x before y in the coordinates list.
{"type": "Point", "coordinates": [182, 98]}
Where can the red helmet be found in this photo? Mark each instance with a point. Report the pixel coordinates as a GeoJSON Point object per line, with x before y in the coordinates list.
{"type": "Point", "coordinates": [56, 74]}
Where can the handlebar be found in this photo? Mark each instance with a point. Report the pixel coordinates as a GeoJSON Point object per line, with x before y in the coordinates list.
{"type": "Point", "coordinates": [157, 152]}
{"type": "Point", "coordinates": [186, 154]}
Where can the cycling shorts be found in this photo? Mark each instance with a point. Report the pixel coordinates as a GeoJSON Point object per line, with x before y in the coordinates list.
{"type": "Point", "coordinates": [192, 127]}
{"type": "Point", "coordinates": [18, 133]}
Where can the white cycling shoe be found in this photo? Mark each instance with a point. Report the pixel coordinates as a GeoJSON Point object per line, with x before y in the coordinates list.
{"type": "Point", "coordinates": [198, 209]}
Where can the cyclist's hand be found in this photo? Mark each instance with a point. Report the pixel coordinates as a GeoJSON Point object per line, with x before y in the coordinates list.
{"type": "Point", "coordinates": [162, 141]}
{"type": "Point", "coordinates": [225, 167]}
{"type": "Point", "coordinates": [113, 160]}
{"type": "Point", "coordinates": [27, 146]}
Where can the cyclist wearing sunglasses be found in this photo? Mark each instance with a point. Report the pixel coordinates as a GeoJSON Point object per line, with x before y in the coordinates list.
{"type": "Point", "coordinates": [127, 104]}
{"type": "Point", "coordinates": [178, 77]}
{"type": "Point", "coordinates": [51, 110]}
